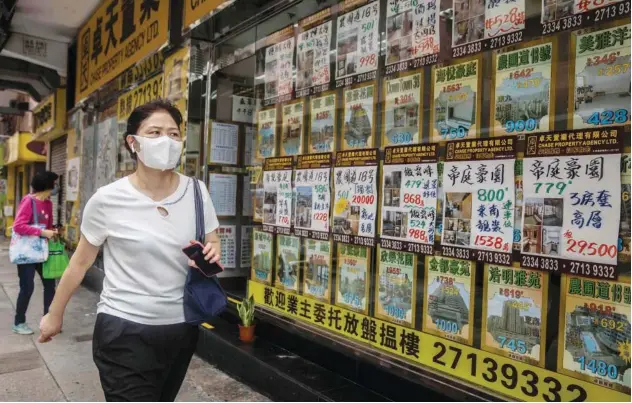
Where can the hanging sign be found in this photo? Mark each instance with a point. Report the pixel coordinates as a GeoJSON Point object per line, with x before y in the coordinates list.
{"type": "Point", "coordinates": [572, 201]}
{"type": "Point", "coordinates": [408, 208]}
{"type": "Point", "coordinates": [353, 277]}
{"type": "Point", "coordinates": [277, 198]}
{"type": "Point", "coordinates": [456, 101]}
{"type": "Point", "coordinates": [600, 79]}
{"type": "Point", "coordinates": [401, 114]}
{"type": "Point", "coordinates": [594, 333]}
{"type": "Point", "coordinates": [412, 34]}
{"type": "Point", "coordinates": [292, 128]}
{"type": "Point", "coordinates": [313, 196]}
{"type": "Point", "coordinates": [395, 299]}
{"type": "Point", "coordinates": [514, 313]}
{"type": "Point", "coordinates": [312, 52]}
{"type": "Point", "coordinates": [560, 15]}
{"type": "Point", "coordinates": [359, 116]}
{"type": "Point", "coordinates": [288, 262]}
{"type": "Point", "coordinates": [115, 37]}
{"type": "Point", "coordinates": [279, 67]}
{"type": "Point", "coordinates": [265, 144]}
{"type": "Point", "coordinates": [524, 100]}
{"type": "Point", "coordinates": [479, 25]}
{"type": "Point", "coordinates": [322, 123]}
{"type": "Point", "coordinates": [449, 299]}
{"type": "Point", "coordinates": [262, 255]}
{"type": "Point", "coordinates": [317, 269]}
{"type": "Point", "coordinates": [355, 202]}
{"type": "Point", "coordinates": [479, 200]}
{"type": "Point", "coordinates": [245, 109]}
{"type": "Point", "coordinates": [357, 43]}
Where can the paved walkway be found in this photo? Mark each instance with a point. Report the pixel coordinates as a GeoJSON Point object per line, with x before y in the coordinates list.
{"type": "Point", "coordinates": [62, 370]}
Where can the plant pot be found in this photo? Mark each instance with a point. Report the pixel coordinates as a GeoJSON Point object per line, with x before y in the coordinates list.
{"type": "Point", "coordinates": [247, 333]}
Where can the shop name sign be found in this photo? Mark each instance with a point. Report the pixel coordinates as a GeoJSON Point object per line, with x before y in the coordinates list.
{"type": "Point", "coordinates": [117, 35]}
{"type": "Point", "coordinates": [48, 116]}
{"type": "Point", "coordinates": [196, 9]}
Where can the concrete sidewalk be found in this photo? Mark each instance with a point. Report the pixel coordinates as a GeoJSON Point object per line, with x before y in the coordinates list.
{"type": "Point", "coordinates": [62, 370]}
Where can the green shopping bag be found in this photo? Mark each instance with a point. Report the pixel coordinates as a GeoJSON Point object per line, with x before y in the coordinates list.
{"type": "Point", "coordinates": [57, 261]}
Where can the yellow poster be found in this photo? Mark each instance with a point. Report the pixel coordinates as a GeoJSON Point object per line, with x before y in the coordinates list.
{"type": "Point", "coordinates": [288, 262]}
{"type": "Point", "coordinates": [397, 286]}
{"type": "Point", "coordinates": [359, 116]}
{"type": "Point", "coordinates": [449, 298]}
{"type": "Point", "coordinates": [352, 279]}
{"type": "Point", "coordinates": [322, 123]}
{"type": "Point", "coordinates": [116, 36]}
{"type": "Point", "coordinates": [265, 144]}
{"type": "Point", "coordinates": [292, 124]}
{"type": "Point", "coordinates": [523, 99]}
{"type": "Point", "coordinates": [594, 334]}
{"type": "Point", "coordinates": [456, 101]}
{"type": "Point", "coordinates": [196, 9]}
{"type": "Point", "coordinates": [514, 313]}
{"type": "Point", "coordinates": [401, 115]}
{"type": "Point", "coordinates": [262, 253]}
{"type": "Point", "coordinates": [147, 91]}
{"type": "Point", "coordinates": [176, 82]}
{"type": "Point", "coordinates": [317, 271]}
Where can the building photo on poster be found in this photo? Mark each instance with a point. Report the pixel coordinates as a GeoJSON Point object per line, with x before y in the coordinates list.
{"type": "Point", "coordinates": [317, 269]}
{"type": "Point", "coordinates": [401, 116]}
{"type": "Point", "coordinates": [313, 73]}
{"type": "Point", "coordinates": [312, 190]}
{"type": "Point", "coordinates": [396, 286]}
{"type": "Point", "coordinates": [352, 278]}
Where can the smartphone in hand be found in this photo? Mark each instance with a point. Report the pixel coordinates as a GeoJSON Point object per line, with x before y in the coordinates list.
{"type": "Point", "coordinates": [194, 252]}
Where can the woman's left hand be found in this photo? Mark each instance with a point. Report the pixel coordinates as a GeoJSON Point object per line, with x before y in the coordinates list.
{"type": "Point", "coordinates": [210, 252]}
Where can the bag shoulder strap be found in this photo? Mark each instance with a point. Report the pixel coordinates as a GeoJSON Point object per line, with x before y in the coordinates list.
{"type": "Point", "coordinates": [34, 210]}
{"type": "Point", "coordinates": [199, 211]}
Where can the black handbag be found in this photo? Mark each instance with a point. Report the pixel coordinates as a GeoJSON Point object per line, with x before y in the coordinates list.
{"type": "Point", "coordinates": [204, 297]}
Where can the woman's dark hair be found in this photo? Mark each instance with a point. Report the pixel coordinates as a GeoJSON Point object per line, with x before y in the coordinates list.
{"type": "Point", "coordinates": [141, 113]}
{"type": "Point", "coordinates": [43, 181]}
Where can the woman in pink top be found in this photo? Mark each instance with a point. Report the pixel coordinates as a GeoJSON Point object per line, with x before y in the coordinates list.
{"type": "Point", "coordinates": [43, 186]}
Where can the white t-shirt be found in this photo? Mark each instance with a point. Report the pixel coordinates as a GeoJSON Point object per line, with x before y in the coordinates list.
{"type": "Point", "coordinates": [145, 268]}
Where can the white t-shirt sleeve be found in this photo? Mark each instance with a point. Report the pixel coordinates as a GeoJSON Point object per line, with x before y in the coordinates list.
{"type": "Point", "coordinates": [210, 218]}
{"type": "Point", "coordinates": [93, 223]}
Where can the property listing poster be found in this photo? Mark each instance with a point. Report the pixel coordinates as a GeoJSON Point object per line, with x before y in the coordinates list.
{"type": "Point", "coordinates": [600, 87]}
{"type": "Point", "coordinates": [449, 298]}
{"type": "Point", "coordinates": [572, 202]}
{"type": "Point", "coordinates": [317, 269]}
{"type": "Point", "coordinates": [594, 334]}
{"type": "Point", "coordinates": [312, 189]}
{"type": "Point", "coordinates": [292, 128]}
{"type": "Point", "coordinates": [265, 144]}
{"type": "Point", "coordinates": [356, 199]}
{"type": "Point", "coordinates": [246, 246]}
{"type": "Point", "coordinates": [523, 99]}
{"type": "Point", "coordinates": [480, 20]}
{"type": "Point", "coordinates": [262, 255]}
{"type": "Point", "coordinates": [322, 126]}
{"type": "Point", "coordinates": [408, 208]}
{"type": "Point", "coordinates": [397, 287]}
{"type": "Point", "coordinates": [279, 67]}
{"type": "Point", "coordinates": [277, 198]}
{"type": "Point", "coordinates": [555, 10]}
{"type": "Point", "coordinates": [288, 262]}
{"type": "Point", "coordinates": [514, 313]}
{"type": "Point", "coordinates": [412, 34]}
{"type": "Point", "coordinates": [455, 110]}
{"type": "Point", "coordinates": [624, 225]}
{"type": "Point", "coordinates": [358, 44]}
{"type": "Point", "coordinates": [312, 52]}
{"type": "Point", "coordinates": [479, 200]}
{"type": "Point", "coordinates": [401, 116]}
{"type": "Point", "coordinates": [228, 238]}
{"type": "Point", "coordinates": [359, 116]}
{"type": "Point", "coordinates": [353, 277]}
{"type": "Point", "coordinates": [224, 143]}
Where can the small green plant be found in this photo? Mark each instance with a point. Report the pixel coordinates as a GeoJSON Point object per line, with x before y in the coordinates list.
{"type": "Point", "coordinates": [246, 309]}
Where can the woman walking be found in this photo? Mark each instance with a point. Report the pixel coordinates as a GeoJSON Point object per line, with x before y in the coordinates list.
{"type": "Point", "coordinates": [43, 187]}
{"type": "Point", "coordinates": [142, 345]}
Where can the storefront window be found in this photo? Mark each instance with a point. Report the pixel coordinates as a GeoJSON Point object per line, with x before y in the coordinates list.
{"type": "Point", "coordinates": [445, 182]}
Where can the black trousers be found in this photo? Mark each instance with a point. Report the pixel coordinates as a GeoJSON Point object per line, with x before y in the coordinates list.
{"type": "Point", "coordinates": [26, 273]}
{"type": "Point", "coordinates": [141, 362]}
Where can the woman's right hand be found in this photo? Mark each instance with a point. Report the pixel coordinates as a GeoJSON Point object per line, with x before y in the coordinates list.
{"type": "Point", "coordinates": [49, 233]}
{"type": "Point", "coordinates": [50, 326]}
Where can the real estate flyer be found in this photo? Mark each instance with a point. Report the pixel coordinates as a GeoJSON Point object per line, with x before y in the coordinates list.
{"type": "Point", "coordinates": [401, 114]}
{"type": "Point", "coordinates": [265, 145]}
{"type": "Point", "coordinates": [262, 255]}
{"type": "Point", "coordinates": [455, 109]}
{"type": "Point", "coordinates": [288, 262]}
{"type": "Point", "coordinates": [594, 334]}
{"type": "Point", "coordinates": [523, 99]}
{"type": "Point", "coordinates": [514, 313]}
{"type": "Point", "coordinates": [317, 269]}
{"type": "Point", "coordinates": [312, 53]}
{"type": "Point", "coordinates": [322, 124]}
{"type": "Point", "coordinates": [312, 195]}
{"type": "Point", "coordinates": [396, 286]}
{"type": "Point", "coordinates": [408, 208]}
{"type": "Point", "coordinates": [476, 20]}
{"type": "Point", "coordinates": [279, 66]}
{"type": "Point", "coordinates": [600, 84]}
{"type": "Point", "coordinates": [292, 128]}
{"type": "Point", "coordinates": [449, 298]}
{"type": "Point", "coordinates": [277, 198]}
{"type": "Point", "coordinates": [353, 277]}
{"type": "Point", "coordinates": [358, 130]}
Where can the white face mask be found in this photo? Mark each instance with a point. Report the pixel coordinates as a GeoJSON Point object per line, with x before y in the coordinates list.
{"type": "Point", "coordinates": [159, 153]}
